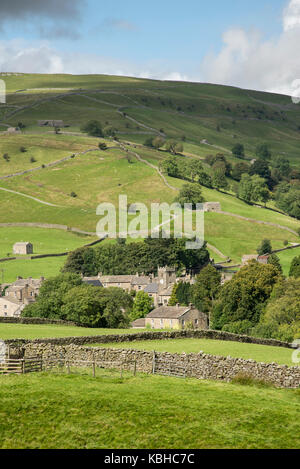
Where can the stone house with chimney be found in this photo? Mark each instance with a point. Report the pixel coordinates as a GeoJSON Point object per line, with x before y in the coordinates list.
{"type": "Point", "coordinates": [176, 317]}
{"type": "Point", "coordinates": [24, 291]}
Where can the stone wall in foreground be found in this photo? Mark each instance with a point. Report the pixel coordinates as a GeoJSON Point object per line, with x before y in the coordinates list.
{"type": "Point", "coordinates": [199, 366]}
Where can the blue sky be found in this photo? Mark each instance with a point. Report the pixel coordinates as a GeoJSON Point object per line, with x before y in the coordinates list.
{"type": "Point", "coordinates": [216, 40]}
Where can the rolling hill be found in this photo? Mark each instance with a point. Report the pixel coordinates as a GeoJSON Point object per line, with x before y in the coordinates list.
{"type": "Point", "coordinates": [61, 178]}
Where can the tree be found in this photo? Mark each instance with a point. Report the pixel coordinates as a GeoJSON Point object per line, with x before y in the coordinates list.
{"type": "Point", "coordinates": [219, 180]}
{"type": "Point", "coordinates": [245, 296]}
{"type": "Point", "coordinates": [190, 194]}
{"type": "Point", "coordinates": [174, 147]}
{"type": "Point", "coordinates": [238, 151]}
{"type": "Point", "coordinates": [245, 188]}
{"type": "Point", "coordinates": [158, 142]}
{"type": "Point", "coordinates": [295, 267]}
{"type": "Point", "coordinates": [83, 261]}
{"type": "Point", "coordinates": [93, 128]}
{"type": "Point", "coordinates": [261, 168]}
{"type": "Point", "coordinates": [204, 179]}
{"type": "Point", "coordinates": [183, 293]}
{"type": "Point", "coordinates": [281, 319]}
{"type": "Point", "coordinates": [206, 288]}
{"type": "Point", "coordinates": [274, 260]}
{"type": "Point", "coordinates": [262, 152]}
{"type": "Point", "coordinates": [193, 168]}
{"type": "Point", "coordinates": [260, 191]}
{"type": "Point", "coordinates": [142, 306]}
{"type": "Point", "coordinates": [170, 166]}
{"type": "Point", "coordinates": [289, 201]}
{"type": "Point", "coordinates": [239, 169]}
{"type": "Point", "coordinates": [265, 247]}
{"type": "Point", "coordinates": [50, 299]}
{"type": "Point", "coordinates": [173, 299]}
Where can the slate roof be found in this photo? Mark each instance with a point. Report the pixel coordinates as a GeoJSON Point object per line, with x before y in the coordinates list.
{"type": "Point", "coordinates": [95, 282]}
{"type": "Point", "coordinates": [169, 312]}
{"type": "Point", "coordinates": [140, 280]}
{"type": "Point", "coordinates": [139, 323]}
{"type": "Point", "coordinates": [151, 288]}
{"type": "Point", "coordinates": [117, 278]}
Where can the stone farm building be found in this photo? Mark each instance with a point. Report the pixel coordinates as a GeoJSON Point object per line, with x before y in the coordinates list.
{"type": "Point", "coordinates": [173, 317]}
{"type": "Point", "coordinates": [51, 123]}
{"type": "Point", "coordinates": [19, 294]}
{"type": "Point", "coordinates": [23, 248]}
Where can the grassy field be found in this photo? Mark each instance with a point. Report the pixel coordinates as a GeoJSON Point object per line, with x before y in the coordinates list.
{"type": "Point", "coordinates": [42, 331]}
{"type": "Point", "coordinates": [144, 412]}
{"type": "Point", "coordinates": [259, 353]}
{"type": "Point", "coordinates": [45, 241]}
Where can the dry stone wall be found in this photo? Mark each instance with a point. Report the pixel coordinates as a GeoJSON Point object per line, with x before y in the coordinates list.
{"type": "Point", "coordinates": [153, 335]}
{"type": "Point", "coordinates": [199, 366]}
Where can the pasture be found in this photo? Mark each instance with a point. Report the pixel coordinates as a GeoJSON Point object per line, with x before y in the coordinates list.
{"type": "Point", "coordinates": [144, 412]}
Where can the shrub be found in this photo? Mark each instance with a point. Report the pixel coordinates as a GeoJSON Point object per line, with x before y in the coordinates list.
{"type": "Point", "coordinates": [238, 327]}
{"type": "Point", "coordinates": [248, 380]}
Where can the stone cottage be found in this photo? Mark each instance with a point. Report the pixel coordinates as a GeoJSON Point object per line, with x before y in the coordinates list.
{"type": "Point", "coordinates": [176, 317]}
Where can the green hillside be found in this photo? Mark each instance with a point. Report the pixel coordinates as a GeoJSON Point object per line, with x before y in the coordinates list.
{"type": "Point", "coordinates": [67, 176]}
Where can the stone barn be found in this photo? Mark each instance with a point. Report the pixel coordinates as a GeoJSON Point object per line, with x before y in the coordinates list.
{"type": "Point", "coordinates": [23, 248]}
{"type": "Point", "coordinates": [212, 207]}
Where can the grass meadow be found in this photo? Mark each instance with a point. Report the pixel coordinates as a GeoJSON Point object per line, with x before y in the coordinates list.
{"type": "Point", "coordinates": [57, 411]}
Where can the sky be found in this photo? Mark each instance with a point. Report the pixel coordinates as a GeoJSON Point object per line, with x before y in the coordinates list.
{"type": "Point", "coordinates": [252, 44]}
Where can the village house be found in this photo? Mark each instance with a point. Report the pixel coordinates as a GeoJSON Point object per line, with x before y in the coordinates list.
{"type": "Point", "coordinates": [23, 248]}
{"type": "Point", "coordinates": [9, 307]}
{"type": "Point", "coordinates": [174, 317]}
{"type": "Point", "coordinates": [23, 291]}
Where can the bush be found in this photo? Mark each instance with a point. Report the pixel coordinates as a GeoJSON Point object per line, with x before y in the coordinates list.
{"type": "Point", "coordinates": [247, 380]}
{"type": "Point", "coordinates": [238, 327]}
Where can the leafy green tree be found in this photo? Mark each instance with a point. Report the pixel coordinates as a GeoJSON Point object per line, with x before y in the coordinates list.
{"type": "Point", "coordinates": [206, 288]}
{"type": "Point", "coordinates": [265, 247]}
{"type": "Point", "coordinates": [93, 128]}
{"type": "Point", "coordinates": [239, 151]}
{"type": "Point", "coordinates": [289, 202]}
{"type": "Point", "coordinates": [262, 152]}
{"type": "Point", "coordinates": [239, 169]}
{"type": "Point", "coordinates": [83, 261]}
{"type": "Point", "coordinates": [245, 296]}
{"type": "Point", "coordinates": [281, 319]}
{"type": "Point", "coordinates": [183, 293]}
{"type": "Point", "coordinates": [171, 167]}
{"type": "Point", "coordinates": [260, 191]}
{"type": "Point", "coordinates": [295, 267]}
{"type": "Point", "coordinates": [174, 147]}
{"type": "Point", "coordinates": [158, 142]}
{"type": "Point", "coordinates": [261, 168]}
{"type": "Point", "coordinates": [204, 179]}
{"type": "Point", "coordinates": [50, 299]}
{"type": "Point", "coordinates": [274, 260]}
{"type": "Point", "coordinates": [245, 188]}
{"type": "Point", "coordinates": [219, 180]}
{"type": "Point", "coordinates": [142, 306]}
{"type": "Point", "coordinates": [190, 194]}
{"type": "Point", "coordinates": [173, 299]}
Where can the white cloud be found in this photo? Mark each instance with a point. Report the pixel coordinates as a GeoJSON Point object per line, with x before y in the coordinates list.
{"type": "Point", "coordinates": [250, 61]}
{"type": "Point", "coordinates": [291, 15]}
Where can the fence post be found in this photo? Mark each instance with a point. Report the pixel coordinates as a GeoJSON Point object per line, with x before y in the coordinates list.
{"type": "Point", "coordinates": [121, 375]}
{"type": "Point", "coordinates": [134, 372]}
{"type": "Point", "coordinates": [94, 369]}
{"type": "Point", "coordinates": [23, 365]}
{"type": "Point", "coordinates": [153, 362]}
